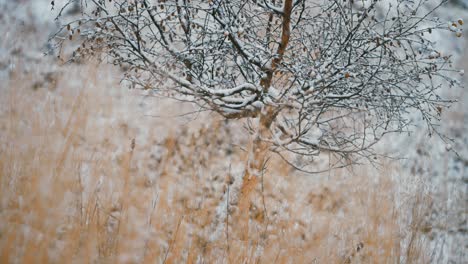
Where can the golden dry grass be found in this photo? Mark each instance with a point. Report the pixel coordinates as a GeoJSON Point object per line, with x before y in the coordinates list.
{"type": "Point", "coordinates": [74, 188]}
{"type": "Point", "coordinates": [86, 177]}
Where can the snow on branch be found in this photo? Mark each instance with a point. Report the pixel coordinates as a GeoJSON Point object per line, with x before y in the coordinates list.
{"type": "Point", "coordinates": [343, 73]}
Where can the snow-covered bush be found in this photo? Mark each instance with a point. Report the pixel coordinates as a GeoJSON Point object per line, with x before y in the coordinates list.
{"type": "Point", "coordinates": [330, 76]}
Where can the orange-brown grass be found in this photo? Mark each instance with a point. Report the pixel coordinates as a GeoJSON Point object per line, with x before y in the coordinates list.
{"type": "Point", "coordinates": [76, 189]}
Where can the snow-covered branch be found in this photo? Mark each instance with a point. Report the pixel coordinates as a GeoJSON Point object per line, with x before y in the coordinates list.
{"type": "Point", "coordinates": [351, 71]}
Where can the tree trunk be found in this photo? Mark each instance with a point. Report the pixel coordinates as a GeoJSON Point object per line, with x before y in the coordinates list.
{"type": "Point", "coordinates": [253, 170]}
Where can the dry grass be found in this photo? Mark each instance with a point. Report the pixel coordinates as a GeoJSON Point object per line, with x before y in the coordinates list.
{"type": "Point", "coordinates": [75, 189]}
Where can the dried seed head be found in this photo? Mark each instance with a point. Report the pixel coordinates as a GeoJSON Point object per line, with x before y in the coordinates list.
{"type": "Point", "coordinates": [448, 147]}
{"type": "Point", "coordinates": [229, 179]}
{"type": "Point", "coordinates": [452, 26]}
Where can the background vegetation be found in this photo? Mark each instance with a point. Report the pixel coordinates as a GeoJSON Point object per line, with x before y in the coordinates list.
{"type": "Point", "coordinates": [90, 172]}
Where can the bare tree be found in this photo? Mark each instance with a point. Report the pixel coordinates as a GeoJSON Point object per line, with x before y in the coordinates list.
{"type": "Point", "coordinates": [309, 76]}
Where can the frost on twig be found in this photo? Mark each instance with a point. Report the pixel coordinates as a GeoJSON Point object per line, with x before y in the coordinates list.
{"type": "Point", "coordinates": [339, 74]}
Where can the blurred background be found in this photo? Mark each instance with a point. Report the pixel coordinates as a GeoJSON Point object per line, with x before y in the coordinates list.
{"type": "Point", "coordinates": [75, 188]}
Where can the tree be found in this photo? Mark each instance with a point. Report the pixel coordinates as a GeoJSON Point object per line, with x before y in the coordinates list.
{"type": "Point", "coordinates": [309, 76]}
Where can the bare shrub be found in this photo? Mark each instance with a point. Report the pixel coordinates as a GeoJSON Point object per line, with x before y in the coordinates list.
{"type": "Point", "coordinates": [315, 76]}
{"type": "Point", "coordinates": [332, 76]}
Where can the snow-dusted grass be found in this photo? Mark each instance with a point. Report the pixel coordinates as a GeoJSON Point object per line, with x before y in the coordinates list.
{"type": "Point", "coordinates": [75, 189]}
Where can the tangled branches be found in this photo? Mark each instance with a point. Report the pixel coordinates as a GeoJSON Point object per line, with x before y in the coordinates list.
{"type": "Point", "coordinates": [327, 76]}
